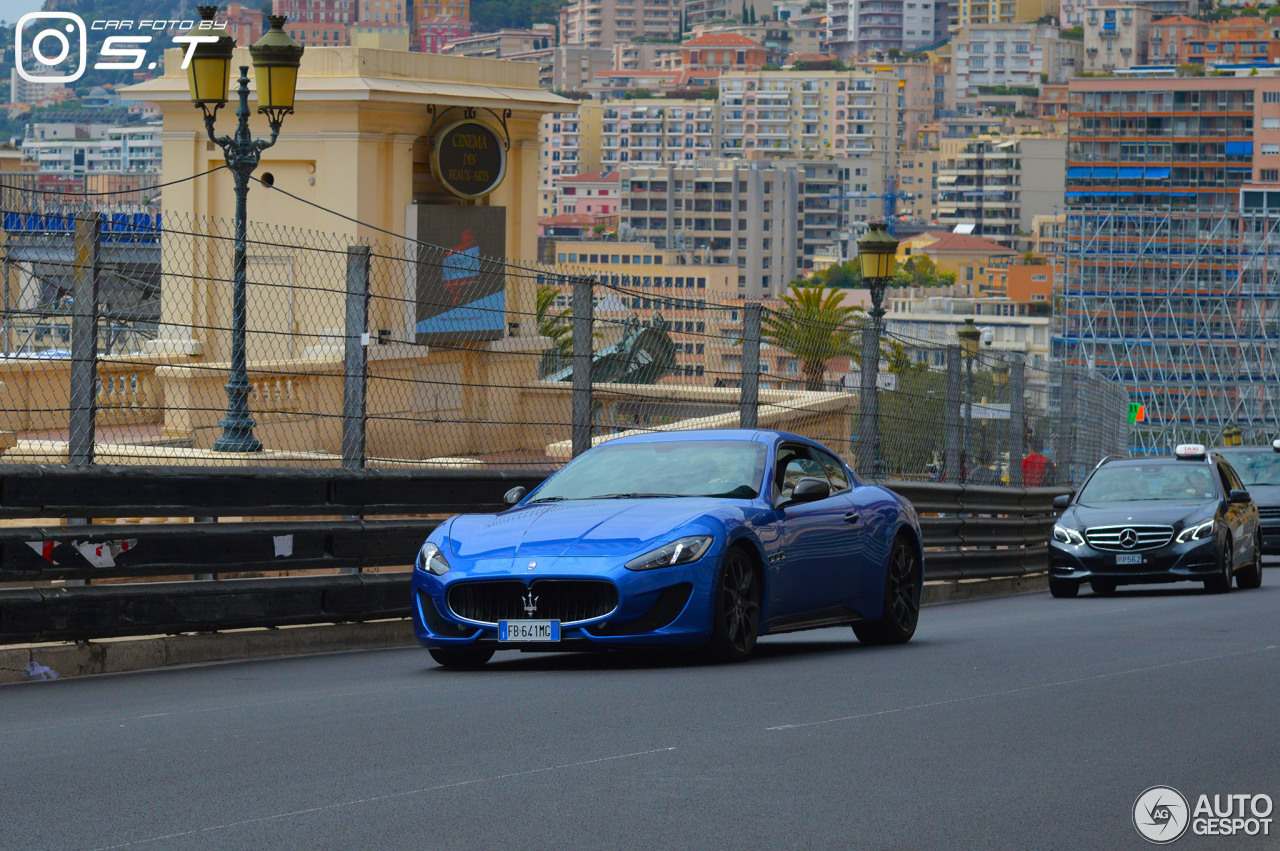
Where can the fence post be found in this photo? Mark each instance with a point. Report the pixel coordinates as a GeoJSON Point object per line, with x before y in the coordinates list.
{"type": "Point", "coordinates": [749, 402]}
{"type": "Point", "coordinates": [583, 321]}
{"type": "Point", "coordinates": [84, 342]}
{"type": "Point", "coordinates": [1065, 446]}
{"type": "Point", "coordinates": [1017, 419]}
{"type": "Point", "coordinates": [951, 418]}
{"type": "Point", "coordinates": [869, 404]}
{"type": "Point", "coordinates": [354, 405]}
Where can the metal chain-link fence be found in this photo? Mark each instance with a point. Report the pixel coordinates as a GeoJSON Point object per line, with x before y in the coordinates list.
{"type": "Point", "coordinates": [132, 337]}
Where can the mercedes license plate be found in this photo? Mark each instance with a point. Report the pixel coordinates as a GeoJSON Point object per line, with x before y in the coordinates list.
{"type": "Point", "coordinates": [1128, 558]}
{"type": "Point", "coordinates": [528, 630]}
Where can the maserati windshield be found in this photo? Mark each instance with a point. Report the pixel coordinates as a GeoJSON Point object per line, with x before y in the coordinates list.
{"type": "Point", "coordinates": [674, 468]}
{"type": "Point", "coordinates": [1182, 481]}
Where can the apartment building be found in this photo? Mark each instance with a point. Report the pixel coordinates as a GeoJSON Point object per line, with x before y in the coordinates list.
{"type": "Point", "coordinates": [768, 219]}
{"type": "Point", "coordinates": [108, 150]}
{"type": "Point", "coordinates": [573, 67]}
{"type": "Point", "coordinates": [1011, 55]}
{"type": "Point", "coordinates": [318, 23]}
{"type": "Point", "coordinates": [245, 24]}
{"type": "Point", "coordinates": [570, 144]}
{"type": "Point", "coordinates": [503, 44]}
{"type": "Point", "coordinates": [782, 39]}
{"type": "Point", "coordinates": [999, 184]}
{"type": "Point", "coordinates": [1169, 39]}
{"type": "Point", "coordinates": [1239, 41]}
{"type": "Point", "coordinates": [659, 130]}
{"type": "Point", "coordinates": [857, 27]}
{"type": "Point", "coordinates": [1173, 212]}
{"type": "Point", "coordinates": [965, 12]}
{"type": "Point", "coordinates": [435, 33]}
{"type": "Point", "coordinates": [723, 52]}
{"type": "Point", "coordinates": [645, 56]}
{"type": "Point", "coordinates": [700, 12]}
{"type": "Point", "coordinates": [1115, 38]}
{"type": "Point", "coordinates": [589, 192]}
{"type": "Point", "coordinates": [603, 23]}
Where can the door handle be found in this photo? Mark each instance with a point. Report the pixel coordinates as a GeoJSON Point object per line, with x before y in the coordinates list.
{"type": "Point", "coordinates": [852, 517]}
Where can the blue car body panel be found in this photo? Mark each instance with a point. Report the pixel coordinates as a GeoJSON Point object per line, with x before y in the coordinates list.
{"type": "Point", "coordinates": [816, 558]}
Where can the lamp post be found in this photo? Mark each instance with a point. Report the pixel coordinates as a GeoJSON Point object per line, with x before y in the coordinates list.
{"type": "Point", "coordinates": [1231, 435]}
{"type": "Point", "coordinates": [877, 255]}
{"type": "Point", "coordinates": [969, 337]}
{"type": "Point", "coordinates": [276, 58]}
{"type": "Point", "coordinates": [1000, 373]}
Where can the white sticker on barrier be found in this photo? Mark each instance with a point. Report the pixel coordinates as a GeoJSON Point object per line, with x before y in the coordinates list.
{"type": "Point", "coordinates": [284, 545]}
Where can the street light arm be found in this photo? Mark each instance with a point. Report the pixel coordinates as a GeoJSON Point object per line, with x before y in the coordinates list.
{"type": "Point", "coordinates": [210, 115]}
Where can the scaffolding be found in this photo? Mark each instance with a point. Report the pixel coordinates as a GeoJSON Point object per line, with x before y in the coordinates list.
{"type": "Point", "coordinates": [1179, 307]}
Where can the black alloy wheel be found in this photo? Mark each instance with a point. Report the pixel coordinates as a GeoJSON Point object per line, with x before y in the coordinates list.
{"type": "Point", "coordinates": [1063, 587]}
{"type": "Point", "coordinates": [1220, 583]}
{"type": "Point", "coordinates": [461, 658]}
{"type": "Point", "coordinates": [737, 607]}
{"type": "Point", "coordinates": [901, 611]}
{"type": "Point", "coordinates": [1251, 576]}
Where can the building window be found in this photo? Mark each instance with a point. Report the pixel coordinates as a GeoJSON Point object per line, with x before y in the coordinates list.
{"type": "Point", "coordinates": [1269, 175]}
{"type": "Point", "coordinates": [1271, 97]}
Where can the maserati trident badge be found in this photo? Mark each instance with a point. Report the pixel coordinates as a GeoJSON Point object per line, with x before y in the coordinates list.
{"type": "Point", "coordinates": [530, 603]}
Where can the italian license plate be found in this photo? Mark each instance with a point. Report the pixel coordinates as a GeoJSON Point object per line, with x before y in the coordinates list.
{"type": "Point", "coordinates": [528, 630]}
{"type": "Point", "coordinates": [1128, 558]}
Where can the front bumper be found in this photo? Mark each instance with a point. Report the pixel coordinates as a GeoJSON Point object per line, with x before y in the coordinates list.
{"type": "Point", "coordinates": [1193, 561]}
{"type": "Point", "coordinates": [1271, 539]}
{"type": "Point", "coordinates": [666, 606]}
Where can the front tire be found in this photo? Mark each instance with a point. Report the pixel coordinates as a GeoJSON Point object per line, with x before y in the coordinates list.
{"type": "Point", "coordinates": [901, 612]}
{"type": "Point", "coordinates": [1063, 587]}
{"type": "Point", "coordinates": [1251, 576]}
{"type": "Point", "coordinates": [1221, 583]}
{"type": "Point", "coordinates": [737, 608]}
{"type": "Point", "coordinates": [461, 658]}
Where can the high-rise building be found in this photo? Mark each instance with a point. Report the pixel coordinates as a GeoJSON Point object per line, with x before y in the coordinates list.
{"type": "Point", "coordinates": [856, 27]}
{"type": "Point", "coordinates": [1010, 56]}
{"type": "Point", "coordinates": [603, 23]}
{"type": "Point", "coordinates": [998, 184]}
{"type": "Point", "coordinates": [1167, 264]}
{"type": "Point", "coordinates": [317, 23]}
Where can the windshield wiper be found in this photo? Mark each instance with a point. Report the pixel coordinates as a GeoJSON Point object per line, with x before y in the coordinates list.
{"type": "Point", "coordinates": [635, 495]}
{"type": "Point", "coordinates": [548, 499]}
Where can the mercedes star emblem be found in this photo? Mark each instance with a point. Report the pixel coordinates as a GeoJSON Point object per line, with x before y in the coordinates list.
{"type": "Point", "coordinates": [1128, 539]}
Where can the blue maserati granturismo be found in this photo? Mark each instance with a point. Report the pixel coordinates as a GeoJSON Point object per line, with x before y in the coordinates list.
{"type": "Point", "coordinates": [709, 538]}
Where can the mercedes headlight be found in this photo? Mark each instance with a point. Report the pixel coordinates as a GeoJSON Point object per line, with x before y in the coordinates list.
{"type": "Point", "coordinates": [680, 551]}
{"type": "Point", "coordinates": [1067, 535]}
{"type": "Point", "coordinates": [1196, 531]}
{"type": "Point", "coordinates": [432, 560]}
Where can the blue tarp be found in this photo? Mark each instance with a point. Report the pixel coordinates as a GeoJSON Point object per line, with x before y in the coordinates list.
{"type": "Point", "coordinates": [1239, 149]}
{"type": "Point", "coordinates": [1104, 172]}
{"type": "Point", "coordinates": [1157, 173]}
{"type": "Point", "coordinates": [1079, 171]}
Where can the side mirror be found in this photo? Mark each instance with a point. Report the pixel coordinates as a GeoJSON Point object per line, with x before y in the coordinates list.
{"type": "Point", "coordinates": [811, 489]}
{"type": "Point", "coordinates": [1062, 500]}
{"type": "Point", "coordinates": [1239, 497]}
{"type": "Point", "coordinates": [514, 495]}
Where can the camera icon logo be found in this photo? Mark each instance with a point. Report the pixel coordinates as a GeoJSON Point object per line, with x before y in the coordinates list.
{"type": "Point", "coordinates": [48, 44]}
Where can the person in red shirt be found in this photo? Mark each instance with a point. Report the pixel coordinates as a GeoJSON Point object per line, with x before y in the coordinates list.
{"type": "Point", "coordinates": [1034, 465]}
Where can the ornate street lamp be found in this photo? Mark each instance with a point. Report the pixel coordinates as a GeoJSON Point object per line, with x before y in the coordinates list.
{"type": "Point", "coordinates": [877, 255]}
{"type": "Point", "coordinates": [1000, 374]}
{"type": "Point", "coordinates": [969, 337]}
{"type": "Point", "coordinates": [276, 58]}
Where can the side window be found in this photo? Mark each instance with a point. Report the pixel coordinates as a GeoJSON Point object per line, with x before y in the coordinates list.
{"type": "Point", "coordinates": [794, 464]}
{"type": "Point", "coordinates": [835, 471]}
{"type": "Point", "coordinates": [1233, 478]}
{"type": "Point", "coordinates": [1225, 477]}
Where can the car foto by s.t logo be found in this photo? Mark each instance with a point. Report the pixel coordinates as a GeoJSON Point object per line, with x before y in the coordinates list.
{"type": "Point", "coordinates": [45, 39]}
{"type": "Point", "coordinates": [1162, 815]}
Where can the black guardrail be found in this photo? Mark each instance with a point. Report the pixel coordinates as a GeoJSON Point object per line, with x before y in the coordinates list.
{"type": "Point", "coordinates": [335, 521]}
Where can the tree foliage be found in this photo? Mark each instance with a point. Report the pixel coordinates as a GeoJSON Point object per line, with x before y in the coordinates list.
{"type": "Point", "coordinates": [492, 15]}
{"type": "Point", "coordinates": [815, 325]}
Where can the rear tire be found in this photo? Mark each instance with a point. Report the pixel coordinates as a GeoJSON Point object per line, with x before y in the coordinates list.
{"type": "Point", "coordinates": [461, 658]}
{"type": "Point", "coordinates": [1103, 587]}
{"type": "Point", "coordinates": [1063, 587]}
{"type": "Point", "coordinates": [736, 609]}
{"type": "Point", "coordinates": [901, 612]}
{"type": "Point", "coordinates": [1221, 583]}
{"type": "Point", "coordinates": [1251, 576]}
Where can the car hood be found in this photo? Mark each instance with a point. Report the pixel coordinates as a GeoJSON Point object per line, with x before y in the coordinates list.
{"type": "Point", "coordinates": [588, 528]}
{"type": "Point", "coordinates": [1268, 495]}
{"type": "Point", "coordinates": [1162, 513]}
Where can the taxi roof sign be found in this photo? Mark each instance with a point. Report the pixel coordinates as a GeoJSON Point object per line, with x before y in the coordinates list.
{"type": "Point", "coordinates": [1190, 451]}
{"type": "Point", "coordinates": [1275, 444]}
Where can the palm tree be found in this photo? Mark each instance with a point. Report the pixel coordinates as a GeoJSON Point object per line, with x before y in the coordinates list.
{"type": "Point", "coordinates": [556, 327]}
{"type": "Point", "coordinates": [814, 325]}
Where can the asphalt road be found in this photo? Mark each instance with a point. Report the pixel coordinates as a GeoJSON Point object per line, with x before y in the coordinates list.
{"type": "Point", "coordinates": [1023, 722]}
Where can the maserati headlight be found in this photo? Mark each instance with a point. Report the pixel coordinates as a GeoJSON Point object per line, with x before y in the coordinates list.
{"type": "Point", "coordinates": [432, 560]}
{"type": "Point", "coordinates": [1067, 535]}
{"type": "Point", "coordinates": [1196, 531]}
{"type": "Point", "coordinates": [681, 551]}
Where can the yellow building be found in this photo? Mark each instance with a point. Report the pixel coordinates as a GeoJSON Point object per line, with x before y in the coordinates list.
{"type": "Point", "coordinates": [980, 264]}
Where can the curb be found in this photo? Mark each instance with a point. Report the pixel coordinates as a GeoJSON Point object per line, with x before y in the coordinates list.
{"type": "Point", "coordinates": [117, 655]}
